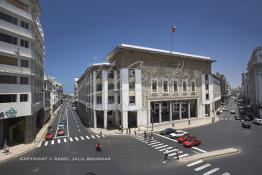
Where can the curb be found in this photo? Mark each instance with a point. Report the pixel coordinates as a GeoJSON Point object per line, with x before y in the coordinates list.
{"type": "Point", "coordinates": [34, 145]}
{"type": "Point", "coordinates": [211, 154]}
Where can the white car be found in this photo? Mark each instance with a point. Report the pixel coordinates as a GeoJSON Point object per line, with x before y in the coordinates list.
{"type": "Point", "coordinates": [225, 109]}
{"type": "Point", "coordinates": [177, 134]}
{"type": "Point", "coordinates": [74, 108]}
{"type": "Point", "coordinates": [257, 121]}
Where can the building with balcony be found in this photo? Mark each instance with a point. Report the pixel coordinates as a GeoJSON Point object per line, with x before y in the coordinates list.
{"type": "Point", "coordinates": [224, 85]}
{"type": "Point", "coordinates": [138, 86]}
{"type": "Point", "coordinates": [53, 95]}
{"type": "Point", "coordinates": [22, 54]}
{"type": "Point", "coordinates": [251, 86]}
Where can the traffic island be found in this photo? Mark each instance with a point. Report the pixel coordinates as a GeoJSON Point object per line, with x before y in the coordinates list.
{"type": "Point", "coordinates": [211, 154]}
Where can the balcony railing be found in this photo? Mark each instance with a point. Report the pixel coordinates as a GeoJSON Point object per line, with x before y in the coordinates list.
{"type": "Point", "coordinates": [15, 10]}
{"type": "Point", "coordinates": [14, 49]}
{"type": "Point", "coordinates": [15, 69]}
{"type": "Point", "coordinates": [15, 29]}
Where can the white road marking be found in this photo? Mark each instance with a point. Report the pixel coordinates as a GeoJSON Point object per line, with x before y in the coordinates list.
{"type": "Point", "coordinates": [92, 136]}
{"type": "Point", "coordinates": [226, 173]}
{"type": "Point", "coordinates": [97, 136]}
{"type": "Point", "coordinates": [46, 143]}
{"type": "Point", "coordinates": [195, 163]}
{"type": "Point", "coordinates": [180, 152]}
{"type": "Point", "coordinates": [82, 138]}
{"type": "Point", "coordinates": [76, 138]}
{"type": "Point", "coordinates": [198, 149]}
{"type": "Point", "coordinates": [158, 145]}
{"type": "Point", "coordinates": [153, 143]}
{"type": "Point", "coordinates": [103, 135]}
{"type": "Point", "coordinates": [166, 148]}
{"type": "Point", "coordinates": [226, 118]}
{"type": "Point", "coordinates": [58, 141]}
{"type": "Point", "coordinates": [183, 155]}
{"type": "Point", "coordinates": [78, 130]}
{"type": "Point", "coordinates": [65, 140]}
{"type": "Point", "coordinates": [71, 139]}
{"type": "Point", "coordinates": [77, 126]}
{"type": "Point", "coordinates": [172, 150]}
{"type": "Point", "coordinates": [87, 137]}
{"type": "Point", "coordinates": [211, 171]}
{"type": "Point", "coordinates": [167, 138]}
{"type": "Point", "coordinates": [161, 147]}
{"type": "Point", "coordinates": [52, 142]}
{"type": "Point", "coordinates": [202, 167]}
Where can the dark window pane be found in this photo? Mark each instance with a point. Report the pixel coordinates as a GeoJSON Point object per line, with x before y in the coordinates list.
{"type": "Point", "coordinates": [7, 98]}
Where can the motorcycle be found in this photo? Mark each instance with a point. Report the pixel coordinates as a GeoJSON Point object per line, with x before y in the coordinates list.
{"type": "Point", "coordinates": [98, 147]}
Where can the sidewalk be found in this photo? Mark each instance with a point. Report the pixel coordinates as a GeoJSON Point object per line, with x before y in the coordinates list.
{"type": "Point", "coordinates": [178, 124]}
{"type": "Point", "coordinates": [21, 149]}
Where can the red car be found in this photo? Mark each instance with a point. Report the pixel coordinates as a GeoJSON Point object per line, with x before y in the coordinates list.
{"type": "Point", "coordinates": [49, 135]}
{"type": "Point", "coordinates": [185, 137]}
{"type": "Point", "coordinates": [191, 142]}
{"type": "Point", "coordinates": [60, 132]}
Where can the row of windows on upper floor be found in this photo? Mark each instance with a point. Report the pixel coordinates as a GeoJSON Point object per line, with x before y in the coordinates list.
{"type": "Point", "coordinates": [111, 99]}
{"type": "Point", "coordinates": [165, 85]}
{"type": "Point", "coordinates": [14, 40]}
{"type": "Point", "coordinates": [13, 20]}
{"type": "Point", "coordinates": [110, 74]}
{"type": "Point", "coordinates": [12, 98]}
{"type": "Point", "coordinates": [19, 4]}
{"type": "Point", "coordinates": [8, 79]}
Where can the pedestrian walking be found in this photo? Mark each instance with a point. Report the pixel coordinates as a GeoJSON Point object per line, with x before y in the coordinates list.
{"type": "Point", "coordinates": [149, 138]}
{"type": "Point", "coordinates": [213, 119]}
{"type": "Point", "coordinates": [189, 123]}
{"type": "Point", "coordinates": [129, 130]}
{"type": "Point", "coordinates": [144, 135]}
{"type": "Point", "coordinates": [177, 154]}
{"type": "Point", "coordinates": [135, 132]}
{"type": "Point", "coordinates": [166, 154]}
{"type": "Point", "coordinates": [126, 131]}
{"type": "Point", "coordinates": [152, 136]}
{"type": "Point", "coordinates": [173, 125]}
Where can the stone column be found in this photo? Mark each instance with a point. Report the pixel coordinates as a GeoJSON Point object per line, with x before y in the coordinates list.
{"type": "Point", "coordinates": [180, 110]}
{"type": "Point", "coordinates": [124, 121]}
{"type": "Point", "coordinates": [170, 111]}
{"type": "Point", "coordinates": [160, 112]}
{"type": "Point", "coordinates": [95, 120]}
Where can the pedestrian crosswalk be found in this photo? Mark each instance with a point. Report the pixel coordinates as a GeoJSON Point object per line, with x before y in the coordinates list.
{"type": "Point", "coordinates": [70, 139]}
{"type": "Point", "coordinates": [161, 147]}
{"type": "Point", "coordinates": [205, 168]}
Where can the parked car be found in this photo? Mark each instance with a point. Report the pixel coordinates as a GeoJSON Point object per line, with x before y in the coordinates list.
{"type": "Point", "coordinates": [237, 117]}
{"type": "Point", "coordinates": [257, 121]}
{"type": "Point", "coordinates": [246, 124]}
{"type": "Point", "coordinates": [167, 131]}
{"type": "Point", "coordinates": [232, 112]}
{"type": "Point", "coordinates": [191, 142]}
{"type": "Point", "coordinates": [185, 137]}
{"type": "Point", "coordinates": [177, 134]}
{"type": "Point", "coordinates": [60, 132]}
{"type": "Point", "coordinates": [49, 136]}
{"type": "Point", "coordinates": [225, 109]}
{"type": "Point", "coordinates": [219, 111]}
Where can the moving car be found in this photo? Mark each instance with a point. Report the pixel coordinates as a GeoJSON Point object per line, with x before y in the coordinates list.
{"type": "Point", "coordinates": [177, 134]}
{"type": "Point", "coordinates": [232, 112]}
{"type": "Point", "coordinates": [257, 121]}
{"type": "Point", "coordinates": [63, 122]}
{"type": "Point", "coordinates": [219, 111]}
{"type": "Point", "coordinates": [191, 142]}
{"type": "Point", "coordinates": [237, 117]}
{"type": "Point", "coordinates": [247, 118]}
{"type": "Point", "coordinates": [49, 136]}
{"type": "Point", "coordinates": [60, 132]}
{"type": "Point", "coordinates": [225, 109]}
{"type": "Point", "coordinates": [167, 131]}
{"type": "Point", "coordinates": [185, 137]}
{"type": "Point", "coordinates": [61, 126]}
{"type": "Point", "coordinates": [246, 124]}
{"type": "Point", "coordinates": [50, 129]}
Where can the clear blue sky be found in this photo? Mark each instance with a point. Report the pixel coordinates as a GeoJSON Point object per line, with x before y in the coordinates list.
{"type": "Point", "coordinates": [81, 32]}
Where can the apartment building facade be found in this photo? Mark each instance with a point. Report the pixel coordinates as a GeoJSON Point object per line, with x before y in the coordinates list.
{"type": "Point", "coordinates": [138, 86]}
{"type": "Point", "coordinates": [22, 53]}
{"type": "Point", "coordinates": [251, 86]}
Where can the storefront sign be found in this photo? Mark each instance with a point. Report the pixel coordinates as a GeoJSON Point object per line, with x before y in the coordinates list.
{"type": "Point", "coordinates": [8, 114]}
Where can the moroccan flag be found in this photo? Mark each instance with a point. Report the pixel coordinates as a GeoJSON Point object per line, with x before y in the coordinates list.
{"type": "Point", "coordinates": [173, 28]}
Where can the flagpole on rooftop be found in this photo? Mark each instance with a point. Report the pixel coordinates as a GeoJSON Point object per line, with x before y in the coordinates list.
{"type": "Point", "coordinates": [173, 29]}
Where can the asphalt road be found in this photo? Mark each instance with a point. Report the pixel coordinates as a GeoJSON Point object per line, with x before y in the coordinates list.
{"type": "Point", "coordinates": [75, 153]}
